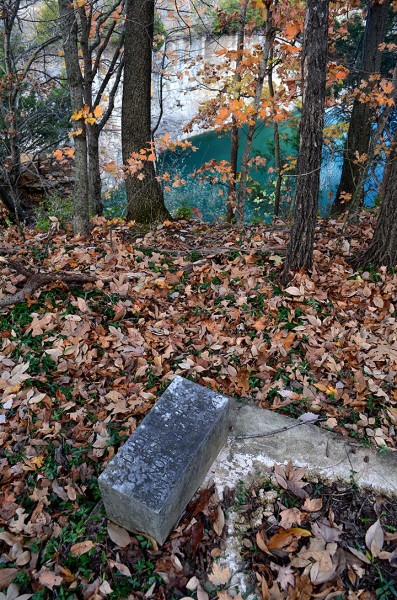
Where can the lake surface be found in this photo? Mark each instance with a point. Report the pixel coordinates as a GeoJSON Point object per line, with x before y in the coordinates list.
{"type": "Point", "coordinates": [209, 197]}
{"type": "Point", "coordinates": [205, 195]}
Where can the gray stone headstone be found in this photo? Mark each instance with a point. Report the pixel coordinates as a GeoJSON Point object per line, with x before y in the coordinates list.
{"type": "Point", "coordinates": [147, 485]}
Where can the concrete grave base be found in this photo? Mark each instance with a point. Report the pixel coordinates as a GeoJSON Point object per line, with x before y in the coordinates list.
{"type": "Point", "coordinates": [327, 456]}
{"type": "Point", "coordinates": [148, 484]}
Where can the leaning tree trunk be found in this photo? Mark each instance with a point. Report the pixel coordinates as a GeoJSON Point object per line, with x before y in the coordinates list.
{"type": "Point", "coordinates": [10, 96]}
{"type": "Point", "coordinates": [68, 24]}
{"type": "Point", "coordinates": [92, 130]}
{"type": "Point", "coordinates": [276, 139]}
{"type": "Point", "coordinates": [244, 169]}
{"type": "Point", "coordinates": [359, 134]}
{"type": "Point", "coordinates": [371, 154]}
{"type": "Point", "coordinates": [314, 64]}
{"type": "Point", "coordinates": [145, 202]}
{"type": "Point", "coordinates": [94, 171]}
{"type": "Point", "coordinates": [17, 213]}
{"type": "Point", "coordinates": [235, 138]}
{"type": "Point", "coordinates": [382, 250]}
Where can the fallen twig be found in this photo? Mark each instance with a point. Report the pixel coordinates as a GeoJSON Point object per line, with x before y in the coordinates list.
{"type": "Point", "coordinates": [270, 433]}
{"type": "Point", "coordinates": [36, 280]}
{"type": "Point", "coordinates": [217, 250]}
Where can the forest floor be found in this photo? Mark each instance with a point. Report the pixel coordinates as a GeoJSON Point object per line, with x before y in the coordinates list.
{"type": "Point", "coordinates": [81, 365]}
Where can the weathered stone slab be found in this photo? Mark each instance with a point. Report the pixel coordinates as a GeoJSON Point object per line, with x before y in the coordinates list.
{"type": "Point", "coordinates": [326, 455]}
{"type": "Point", "coordinates": [149, 482]}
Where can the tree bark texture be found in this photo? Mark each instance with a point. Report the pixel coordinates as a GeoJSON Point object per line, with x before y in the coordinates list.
{"type": "Point", "coordinates": [383, 118]}
{"type": "Point", "coordinates": [68, 23]}
{"type": "Point", "coordinates": [145, 202]}
{"type": "Point", "coordinates": [15, 208]}
{"type": "Point", "coordinates": [11, 94]}
{"type": "Point", "coordinates": [382, 250]}
{"type": "Point", "coordinates": [244, 169]}
{"type": "Point", "coordinates": [235, 138]}
{"type": "Point", "coordinates": [94, 172]}
{"type": "Point", "coordinates": [92, 131]}
{"type": "Point", "coordinates": [314, 63]}
{"type": "Point", "coordinates": [276, 139]}
{"type": "Point", "coordinates": [359, 134]}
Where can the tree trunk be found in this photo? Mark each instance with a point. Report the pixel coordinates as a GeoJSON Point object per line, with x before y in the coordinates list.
{"type": "Point", "coordinates": [11, 96]}
{"type": "Point", "coordinates": [94, 172]}
{"type": "Point", "coordinates": [231, 188]}
{"type": "Point", "coordinates": [17, 213]}
{"type": "Point", "coordinates": [231, 192]}
{"type": "Point", "coordinates": [145, 202]}
{"type": "Point", "coordinates": [314, 64]}
{"type": "Point", "coordinates": [68, 25]}
{"type": "Point", "coordinates": [276, 138]}
{"type": "Point", "coordinates": [383, 118]}
{"type": "Point", "coordinates": [92, 130]}
{"type": "Point", "coordinates": [242, 188]}
{"type": "Point", "coordinates": [359, 134]}
{"type": "Point", "coordinates": [382, 250]}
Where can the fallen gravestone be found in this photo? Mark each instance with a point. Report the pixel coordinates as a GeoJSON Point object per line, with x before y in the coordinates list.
{"type": "Point", "coordinates": [147, 485]}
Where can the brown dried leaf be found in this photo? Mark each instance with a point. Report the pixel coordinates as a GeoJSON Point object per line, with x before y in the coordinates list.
{"type": "Point", "coordinates": [219, 575]}
{"type": "Point", "coordinates": [82, 547]}
{"type": "Point", "coordinates": [284, 537]}
{"type": "Point", "coordinates": [261, 543]}
{"type": "Point", "coordinates": [118, 535]}
{"type": "Point", "coordinates": [6, 577]}
{"type": "Point", "coordinates": [313, 504]}
{"type": "Point", "coordinates": [375, 538]}
{"type": "Point", "coordinates": [49, 579]}
{"type": "Point", "coordinates": [123, 569]}
{"type": "Point", "coordinates": [219, 523]}
{"type": "Point", "coordinates": [291, 516]}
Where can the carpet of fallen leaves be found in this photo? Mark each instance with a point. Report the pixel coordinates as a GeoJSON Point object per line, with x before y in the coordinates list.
{"type": "Point", "coordinates": [303, 539]}
{"type": "Point", "coordinates": [80, 367]}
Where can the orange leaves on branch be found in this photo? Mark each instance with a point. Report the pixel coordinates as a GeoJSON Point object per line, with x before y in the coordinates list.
{"type": "Point", "coordinates": [336, 73]}
{"type": "Point", "coordinates": [63, 155]}
{"type": "Point", "coordinates": [117, 14]}
{"type": "Point", "coordinates": [238, 109]}
{"type": "Point", "coordinates": [386, 86]}
{"type": "Point", "coordinates": [291, 30]}
{"type": "Point", "coordinates": [75, 132]}
{"type": "Point", "coordinates": [223, 114]}
{"type": "Point", "coordinates": [360, 159]}
{"type": "Point", "coordinates": [289, 48]}
{"type": "Point", "coordinates": [137, 160]}
{"type": "Point", "coordinates": [341, 73]}
{"type": "Point", "coordinates": [375, 91]}
{"type": "Point", "coordinates": [218, 171]}
{"type": "Point", "coordinates": [98, 112]}
{"type": "Point", "coordinates": [85, 114]}
{"type": "Point", "coordinates": [390, 47]}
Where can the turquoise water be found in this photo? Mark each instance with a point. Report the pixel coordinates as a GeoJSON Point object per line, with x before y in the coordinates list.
{"type": "Point", "coordinates": [205, 195]}
{"type": "Point", "coordinates": [209, 198]}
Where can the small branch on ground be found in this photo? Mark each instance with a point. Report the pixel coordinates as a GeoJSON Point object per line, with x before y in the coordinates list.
{"type": "Point", "coordinates": [281, 430]}
{"type": "Point", "coordinates": [34, 281]}
{"type": "Point", "coordinates": [217, 251]}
